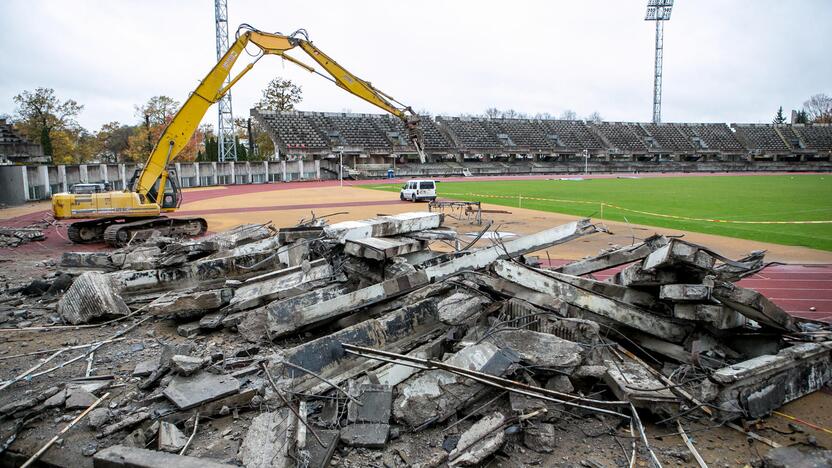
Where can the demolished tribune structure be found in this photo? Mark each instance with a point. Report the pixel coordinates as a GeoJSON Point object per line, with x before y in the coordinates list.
{"type": "Point", "coordinates": [342, 340]}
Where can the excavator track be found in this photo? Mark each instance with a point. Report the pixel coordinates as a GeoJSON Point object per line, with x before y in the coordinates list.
{"type": "Point", "coordinates": [119, 234]}
{"type": "Point", "coordinates": [89, 232]}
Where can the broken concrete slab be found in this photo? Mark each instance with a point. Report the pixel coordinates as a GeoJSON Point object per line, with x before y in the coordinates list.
{"type": "Point", "coordinates": [619, 312]}
{"type": "Point", "coordinates": [288, 321]}
{"type": "Point", "coordinates": [614, 258]}
{"type": "Point", "coordinates": [367, 435]}
{"type": "Point", "coordinates": [240, 235]}
{"type": "Point", "coordinates": [679, 253]}
{"type": "Point", "coordinates": [146, 367]}
{"type": "Point", "coordinates": [382, 248]}
{"type": "Point", "coordinates": [170, 438]}
{"type": "Point", "coordinates": [540, 437]}
{"type": "Point", "coordinates": [714, 315]}
{"type": "Point", "coordinates": [613, 291]}
{"type": "Point", "coordinates": [482, 258]}
{"type": "Point", "coordinates": [99, 260]}
{"type": "Point", "coordinates": [685, 292]}
{"type": "Point", "coordinates": [320, 455]}
{"type": "Point", "coordinates": [376, 403]}
{"type": "Point", "coordinates": [539, 349]}
{"type": "Point", "coordinates": [188, 330]}
{"type": "Point", "coordinates": [482, 439]}
{"type": "Point", "coordinates": [189, 304]}
{"type": "Point", "coordinates": [326, 355]}
{"type": "Point", "coordinates": [283, 307]}
{"type": "Point", "coordinates": [461, 307]}
{"type": "Point", "coordinates": [630, 381]}
{"type": "Point", "coordinates": [754, 306]}
{"type": "Point", "coordinates": [755, 387]}
{"type": "Point", "coordinates": [636, 276]}
{"type": "Point", "coordinates": [434, 395]}
{"type": "Point", "coordinates": [188, 392]}
{"type": "Point", "coordinates": [394, 287]}
{"type": "Point", "coordinates": [797, 457]}
{"type": "Point", "coordinates": [383, 226]}
{"type": "Point", "coordinates": [79, 399]}
{"type": "Point", "coordinates": [268, 440]}
{"type": "Point", "coordinates": [265, 288]}
{"type": "Point", "coordinates": [185, 365]}
{"type": "Point", "coordinates": [92, 295]}
{"type": "Point", "coordinates": [119, 456]}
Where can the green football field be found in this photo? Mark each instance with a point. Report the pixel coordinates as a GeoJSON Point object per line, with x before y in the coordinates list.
{"type": "Point", "coordinates": [723, 205]}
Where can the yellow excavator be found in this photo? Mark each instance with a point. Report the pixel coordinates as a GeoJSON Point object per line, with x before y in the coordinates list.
{"type": "Point", "coordinates": [118, 217]}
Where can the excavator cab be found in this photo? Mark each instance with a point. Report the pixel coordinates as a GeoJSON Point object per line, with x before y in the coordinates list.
{"type": "Point", "coordinates": [172, 196]}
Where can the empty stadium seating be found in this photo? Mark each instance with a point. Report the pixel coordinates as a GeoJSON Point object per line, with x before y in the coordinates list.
{"type": "Point", "coordinates": [522, 142]}
{"type": "Point", "coordinates": [760, 137]}
{"type": "Point", "coordinates": [816, 137]}
{"type": "Point", "coordinates": [620, 136]}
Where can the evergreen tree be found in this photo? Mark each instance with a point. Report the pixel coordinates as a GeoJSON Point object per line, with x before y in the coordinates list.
{"type": "Point", "coordinates": [779, 118]}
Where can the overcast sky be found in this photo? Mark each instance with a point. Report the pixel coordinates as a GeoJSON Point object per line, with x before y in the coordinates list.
{"type": "Point", "coordinates": [725, 61]}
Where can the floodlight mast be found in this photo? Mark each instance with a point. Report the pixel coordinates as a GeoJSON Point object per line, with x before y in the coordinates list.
{"type": "Point", "coordinates": [658, 11]}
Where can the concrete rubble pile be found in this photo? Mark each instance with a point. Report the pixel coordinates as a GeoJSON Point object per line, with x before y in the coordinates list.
{"type": "Point", "coordinates": [12, 237]}
{"type": "Point", "coordinates": [347, 341]}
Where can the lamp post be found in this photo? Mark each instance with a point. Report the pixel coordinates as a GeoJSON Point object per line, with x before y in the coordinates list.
{"type": "Point", "coordinates": [658, 11]}
{"type": "Point", "coordinates": [341, 165]}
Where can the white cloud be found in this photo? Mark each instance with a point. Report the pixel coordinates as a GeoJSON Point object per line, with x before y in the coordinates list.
{"type": "Point", "coordinates": [725, 61]}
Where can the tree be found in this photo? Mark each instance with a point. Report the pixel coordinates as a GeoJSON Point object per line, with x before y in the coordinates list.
{"type": "Point", "coordinates": [280, 95]}
{"type": "Point", "coordinates": [492, 113]}
{"type": "Point", "coordinates": [568, 114]}
{"type": "Point", "coordinates": [801, 117]}
{"type": "Point", "coordinates": [819, 108]}
{"type": "Point", "coordinates": [594, 117]}
{"type": "Point", "coordinates": [779, 118]}
{"type": "Point", "coordinates": [113, 140]}
{"type": "Point", "coordinates": [41, 116]}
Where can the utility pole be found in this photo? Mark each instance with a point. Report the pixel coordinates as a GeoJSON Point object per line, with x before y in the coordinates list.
{"type": "Point", "coordinates": [225, 128]}
{"type": "Point", "coordinates": [658, 11]}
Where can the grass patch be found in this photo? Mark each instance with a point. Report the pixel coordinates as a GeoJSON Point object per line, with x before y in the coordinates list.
{"type": "Point", "coordinates": [735, 198]}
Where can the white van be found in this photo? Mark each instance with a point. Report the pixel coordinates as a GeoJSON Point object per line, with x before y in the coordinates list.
{"type": "Point", "coordinates": [417, 189]}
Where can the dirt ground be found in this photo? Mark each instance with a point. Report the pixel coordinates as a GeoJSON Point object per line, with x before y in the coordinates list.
{"type": "Point", "coordinates": [585, 441]}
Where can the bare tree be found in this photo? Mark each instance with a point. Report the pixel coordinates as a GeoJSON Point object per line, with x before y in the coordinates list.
{"type": "Point", "coordinates": [819, 108]}
{"type": "Point", "coordinates": [568, 114]}
{"type": "Point", "coordinates": [594, 117]}
{"type": "Point", "coordinates": [492, 113]}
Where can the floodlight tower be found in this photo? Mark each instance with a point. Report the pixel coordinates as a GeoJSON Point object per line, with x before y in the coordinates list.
{"type": "Point", "coordinates": [658, 11]}
{"type": "Point", "coordinates": [225, 127]}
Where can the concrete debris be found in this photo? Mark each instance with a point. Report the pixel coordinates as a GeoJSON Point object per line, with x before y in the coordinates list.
{"type": "Point", "coordinates": [92, 295]}
{"type": "Point", "coordinates": [381, 248]}
{"type": "Point", "coordinates": [78, 398]}
{"type": "Point", "coordinates": [341, 344]}
{"type": "Point", "coordinates": [369, 435]}
{"type": "Point", "coordinates": [433, 396]}
{"type": "Point", "coordinates": [12, 237]}
{"type": "Point", "coordinates": [268, 440]}
{"type": "Point", "coordinates": [188, 392]}
{"type": "Point", "coordinates": [186, 365]}
{"type": "Point", "coordinates": [190, 304]}
{"type": "Point", "coordinates": [170, 438]}
{"type": "Point", "coordinates": [481, 440]}
{"type": "Point", "coordinates": [119, 456]}
{"type": "Point", "coordinates": [383, 226]}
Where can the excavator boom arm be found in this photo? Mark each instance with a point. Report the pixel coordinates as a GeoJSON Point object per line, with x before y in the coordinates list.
{"type": "Point", "coordinates": [180, 130]}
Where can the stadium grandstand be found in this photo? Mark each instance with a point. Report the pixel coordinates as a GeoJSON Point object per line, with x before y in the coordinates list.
{"type": "Point", "coordinates": [370, 144]}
